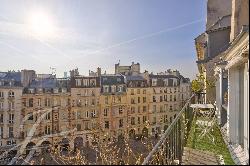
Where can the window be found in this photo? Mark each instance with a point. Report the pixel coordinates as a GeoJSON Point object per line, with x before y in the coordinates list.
{"type": "Point", "coordinates": [119, 99]}
{"type": "Point", "coordinates": [106, 100]}
{"type": "Point", "coordinates": [11, 105]}
{"type": "Point", "coordinates": [1, 95]}
{"type": "Point", "coordinates": [171, 108]}
{"type": "Point", "coordinates": [1, 118]}
{"type": "Point", "coordinates": [138, 91]}
{"type": "Point", "coordinates": [165, 118]}
{"type": "Point", "coordinates": [106, 89]}
{"type": "Point", "coordinates": [154, 120]}
{"type": "Point", "coordinates": [106, 124]}
{"type": "Point", "coordinates": [174, 98]}
{"type": "Point", "coordinates": [93, 101]}
{"type": "Point", "coordinates": [47, 102]}
{"type": "Point", "coordinates": [31, 102]}
{"type": "Point", "coordinates": [144, 91]}
{"type": "Point", "coordinates": [170, 97]}
{"type": "Point", "coordinates": [161, 99]}
{"type": "Point", "coordinates": [1, 132]}
{"type": "Point", "coordinates": [1, 105]}
{"type": "Point", "coordinates": [93, 93]}
{"type": "Point", "coordinates": [85, 82]}
{"type": "Point", "coordinates": [132, 110]}
{"type": "Point", "coordinates": [132, 120]}
{"type": "Point", "coordinates": [113, 89]}
{"type": "Point", "coordinates": [144, 119]}
{"type": "Point", "coordinates": [144, 99]}
{"type": "Point", "coordinates": [154, 99]}
{"type": "Point", "coordinates": [86, 114]}
{"type": "Point", "coordinates": [78, 114]}
{"type": "Point", "coordinates": [47, 130]}
{"type": "Point", "coordinates": [30, 116]}
{"type": "Point", "coordinates": [121, 123]}
{"type": "Point", "coordinates": [120, 110]}
{"type": "Point", "coordinates": [86, 125]}
{"type": "Point", "coordinates": [93, 113]}
{"type": "Point", "coordinates": [154, 82]}
{"type": "Point", "coordinates": [154, 108]}
{"type": "Point", "coordinates": [139, 109]}
{"type": "Point", "coordinates": [11, 94]}
{"type": "Point", "coordinates": [144, 108]}
{"type": "Point", "coordinates": [105, 112]}
{"type": "Point", "coordinates": [120, 89]}
{"type": "Point", "coordinates": [78, 82]}
{"type": "Point", "coordinates": [132, 92]}
{"type": "Point", "coordinates": [113, 99]}
{"type": "Point", "coordinates": [139, 120]}
{"type": "Point", "coordinates": [47, 117]}
{"type": "Point", "coordinates": [132, 101]}
{"type": "Point", "coordinates": [139, 99]}
{"type": "Point", "coordinates": [11, 133]}
{"type": "Point", "coordinates": [78, 127]}
{"type": "Point", "coordinates": [161, 108]}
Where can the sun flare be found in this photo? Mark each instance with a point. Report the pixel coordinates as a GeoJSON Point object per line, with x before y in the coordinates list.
{"type": "Point", "coordinates": [41, 24]}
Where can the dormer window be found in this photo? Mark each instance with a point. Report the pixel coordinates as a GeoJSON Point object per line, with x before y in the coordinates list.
{"type": "Point", "coordinates": [11, 83]}
{"type": "Point", "coordinates": [55, 90]}
{"type": "Point", "coordinates": [78, 82]}
{"type": "Point", "coordinates": [106, 89]}
{"type": "Point", "coordinates": [11, 94]}
{"type": "Point", "coordinates": [1, 83]}
{"type": "Point", "coordinates": [154, 82]}
{"type": "Point", "coordinates": [31, 90]}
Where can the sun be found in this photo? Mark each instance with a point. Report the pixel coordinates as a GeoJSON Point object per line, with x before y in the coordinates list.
{"type": "Point", "coordinates": [41, 24]}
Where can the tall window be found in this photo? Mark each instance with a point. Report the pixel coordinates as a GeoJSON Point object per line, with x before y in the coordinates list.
{"type": "Point", "coordinates": [1, 105]}
{"type": "Point", "coordinates": [11, 133]}
{"type": "Point", "coordinates": [1, 132]}
{"type": "Point", "coordinates": [11, 105]}
{"type": "Point", "coordinates": [144, 108]}
{"type": "Point", "coordinates": [144, 119]}
{"type": "Point", "coordinates": [105, 112]}
{"type": "Point", "coordinates": [47, 102]}
{"type": "Point", "coordinates": [47, 130]}
{"type": "Point", "coordinates": [138, 91]}
{"type": "Point", "coordinates": [78, 82]}
{"type": "Point", "coordinates": [132, 101]}
{"type": "Point", "coordinates": [139, 109]}
{"type": "Point", "coordinates": [11, 94]}
{"type": "Point", "coordinates": [47, 117]}
{"type": "Point", "coordinates": [1, 94]}
{"type": "Point", "coordinates": [132, 92]}
{"type": "Point", "coordinates": [144, 99]}
{"type": "Point", "coordinates": [86, 114]}
{"type": "Point", "coordinates": [139, 99]}
{"type": "Point", "coordinates": [106, 89]}
{"type": "Point", "coordinates": [132, 110]}
{"type": "Point", "coordinates": [154, 99]}
{"type": "Point", "coordinates": [139, 120]}
{"type": "Point", "coordinates": [11, 118]}
{"type": "Point", "coordinates": [106, 124]}
{"type": "Point", "coordinates": [144, 91]}
{"type": "Point", "coordinates": [1, 118]}
{"type": "Point", "coordinates": [132, 120]}
{"type": "Point", "coordinates": [106, 100]}
{"type": "Point", "coordinates": [31, 102]}
{"type": "Point", "coordinates": [154, 108]}
{"type": "Point", "coordinates": [120, 110]}
{"type": "Point", "coordinates": [121, 123]}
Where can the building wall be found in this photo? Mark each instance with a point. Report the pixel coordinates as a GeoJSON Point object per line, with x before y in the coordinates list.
{"type": "Point", "coordinates": [240, 16]}
{"type": "Point", "coordinates": [216, 9]}
{"type": "Point", "coordinates": [6, 111]}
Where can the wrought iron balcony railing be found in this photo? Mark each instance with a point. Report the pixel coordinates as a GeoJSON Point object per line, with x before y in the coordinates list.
{"type": "Point", "coordinates": [169, 149]}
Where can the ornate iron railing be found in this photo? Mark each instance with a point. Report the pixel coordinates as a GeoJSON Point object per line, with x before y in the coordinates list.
{"type": "Point", "coordinates": [169, 149]}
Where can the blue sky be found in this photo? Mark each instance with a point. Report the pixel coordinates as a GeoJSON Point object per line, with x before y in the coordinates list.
{"type": "Point", "coordinates": [159, 34]}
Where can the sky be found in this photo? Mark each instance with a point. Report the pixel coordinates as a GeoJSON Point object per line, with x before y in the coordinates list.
{"type": "Point", "coordinates": [159, 34]}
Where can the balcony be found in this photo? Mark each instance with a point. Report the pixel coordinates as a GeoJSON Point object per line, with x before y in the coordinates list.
{"type": "Point", "coordinates": [181, 144]}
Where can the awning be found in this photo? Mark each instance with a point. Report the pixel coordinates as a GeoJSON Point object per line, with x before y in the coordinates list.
{"type": "Point", "coordinates": [202, 106]}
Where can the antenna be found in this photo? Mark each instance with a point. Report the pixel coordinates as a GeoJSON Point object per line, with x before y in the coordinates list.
{"type": "Point", "coordinates": [53, 70]}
